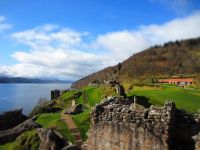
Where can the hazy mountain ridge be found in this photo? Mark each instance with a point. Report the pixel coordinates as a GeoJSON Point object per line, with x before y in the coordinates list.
{"type": "Point", "coordinates": [29, 80]}
{"type": "Point", "coordinates": [172, 58]}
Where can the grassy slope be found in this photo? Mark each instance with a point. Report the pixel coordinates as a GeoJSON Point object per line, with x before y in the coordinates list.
{"type": "Point", "coordinates": [66, 98]}
{"type": "Point", "coordinates": [68, 95]}
{"type": "Point", "coordinates": [94, 96]}
{"type": "Point", "coordinates": [47, 120]}
{"type": "Point", "coordinates": [52, 120]}
{"type": "Point", "coordinates": [188, 99]}
{"type": "Point", "coordinates": [83, 122]}
{"type": "Point", "coordinates": [27, 140]}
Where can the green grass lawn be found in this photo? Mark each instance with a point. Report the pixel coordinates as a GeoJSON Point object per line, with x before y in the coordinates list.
{"type": "Point", "coordinates": [68, 95]}
{"type": "Point", "coordinates": [188, 99]}
{"type": "Point", "coordinates": [52, 120]}
{"type": "Point", "coordinates": [94, 96]}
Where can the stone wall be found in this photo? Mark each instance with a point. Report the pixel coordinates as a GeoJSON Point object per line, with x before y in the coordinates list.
{"type": "Point", "coordinates": [119, 124]}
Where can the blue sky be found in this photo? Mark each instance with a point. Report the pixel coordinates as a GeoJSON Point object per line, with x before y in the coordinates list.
{"type": "Point", "coordinates": [69, 39]}
{"type": "Point", "coordinates": [95, 16]}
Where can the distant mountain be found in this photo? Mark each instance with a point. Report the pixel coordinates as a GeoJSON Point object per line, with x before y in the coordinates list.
{"type": "Point", "coordinates": [29, 80]}
{"type": "Point", "coordinates": [179, 57]}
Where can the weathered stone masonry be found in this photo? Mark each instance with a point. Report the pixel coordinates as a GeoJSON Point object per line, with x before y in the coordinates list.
{"type": "Point", "coordinates": [121, 125]}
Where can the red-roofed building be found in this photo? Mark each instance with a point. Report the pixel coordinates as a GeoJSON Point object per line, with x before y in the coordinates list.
{"type": "Point", "coordinates": [178, 81]}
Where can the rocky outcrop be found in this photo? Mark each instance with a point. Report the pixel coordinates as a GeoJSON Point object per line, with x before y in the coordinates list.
{"type": "Point", "coordinates": [77, 95]}
{"type": "Point", "coordinates": [118, 87]}
{"type": "Point", "coordinates": [11, 134]}
{"type": "Point", "coordinates": [46, 107]}
{"type": "Point", "coordinates": [197, 141]}
{"type": "Point", "coordinates": [11, 119]}
{"type": "Point", "coordinates": [119, 124]}
{"type": "Point", "coordinates": [75, 109]}
{"type": "Point", "coordinates": [120, 90]}
{"type": "Point", "coordinates": [51, 140]}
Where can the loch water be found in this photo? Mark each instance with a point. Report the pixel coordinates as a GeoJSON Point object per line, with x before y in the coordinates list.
{"type": "Point", "coordinates": [26, 96]}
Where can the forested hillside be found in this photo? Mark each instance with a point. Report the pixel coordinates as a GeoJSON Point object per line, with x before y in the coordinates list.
{"type": "Point", "coordinates": [172, 58]}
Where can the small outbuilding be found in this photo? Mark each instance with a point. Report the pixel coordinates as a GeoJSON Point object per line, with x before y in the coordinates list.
{"type": "Point", "coordinates": [177, 81]}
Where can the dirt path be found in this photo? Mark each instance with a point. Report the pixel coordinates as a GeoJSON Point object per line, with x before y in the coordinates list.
{"type": "Point", "coordinates": [68, 120]}
{"type": "Point", "coordinates": [72, 127]}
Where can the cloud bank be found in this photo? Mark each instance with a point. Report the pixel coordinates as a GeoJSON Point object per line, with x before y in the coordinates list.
{"type": "Point", "coordinates": [3, 25]}
{"type": "Point", "coordinates": [64, 53]}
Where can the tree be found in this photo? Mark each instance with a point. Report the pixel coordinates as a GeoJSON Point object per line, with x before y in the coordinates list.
{"type": "Point", "coordinates": [119, 67]}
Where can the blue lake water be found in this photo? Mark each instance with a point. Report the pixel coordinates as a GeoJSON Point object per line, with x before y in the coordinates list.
{"type": "Point", "coordinates": [26, 96]}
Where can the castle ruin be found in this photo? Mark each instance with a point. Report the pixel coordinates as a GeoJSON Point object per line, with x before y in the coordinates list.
{"type": "Point", "coordinates": [120, 125]}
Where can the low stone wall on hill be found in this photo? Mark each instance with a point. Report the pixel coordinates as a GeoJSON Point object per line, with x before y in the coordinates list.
{"type": "Point", "coordinates": [118, 124]}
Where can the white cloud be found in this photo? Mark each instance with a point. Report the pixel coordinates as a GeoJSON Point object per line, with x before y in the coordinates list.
{"type": "Point", "coordinates": [122, 44]}
{"type": "Point", "coordinates": [181, 7]}
{"type": "Point", "coordinates": [64, 53]}
{"type": "Point", "coordinates": [54, 52]}
{"type": "Point", "coordinates": [173, 30]}
{"type": "Point", "coordinates": [49, 35]}
{"type": "Point", "coordinates": [3, 24]}
{"type": "Point", "coordinates": [125, 43]}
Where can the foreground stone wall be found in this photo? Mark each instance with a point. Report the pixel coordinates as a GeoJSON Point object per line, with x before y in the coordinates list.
{"type": "Point", "coordinates": [119, 124]}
